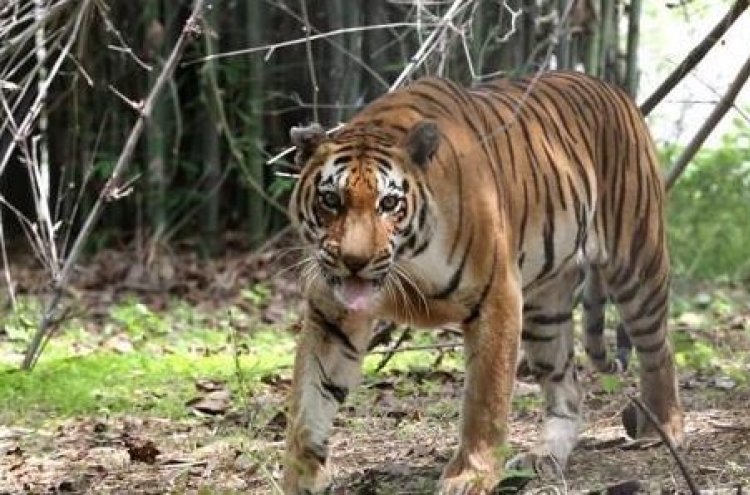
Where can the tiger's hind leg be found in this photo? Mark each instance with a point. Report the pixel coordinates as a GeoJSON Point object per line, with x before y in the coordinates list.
{"type": "Point", "coordinates": [548, 344]}
{"type": "Point", "coordinates": [594, 299]}
{"type": "Point", "coordinates": [642, 299]}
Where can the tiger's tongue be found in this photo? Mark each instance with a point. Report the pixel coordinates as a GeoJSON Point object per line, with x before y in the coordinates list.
{"type": "Point", "coordinates": [355, 293]}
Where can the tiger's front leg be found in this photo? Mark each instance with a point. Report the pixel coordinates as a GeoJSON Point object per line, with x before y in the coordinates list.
{"type": "Point", "coordinates": [326, 367]}
{"type": "Point", "coordinates": [491, 340]}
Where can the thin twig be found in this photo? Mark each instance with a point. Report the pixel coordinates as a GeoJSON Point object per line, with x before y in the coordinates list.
{"type": "Point", "coordinates": [726, 102]}
{"type": "Point", "coordinates": [668, 442]}
{"type": "Point", "coordinates": [695, 56]}
{"type": "Point", "coordinates": [357, 60]}
{"type": "Point", "coordinates": [415, 62]}
{"type": "Point", "coordinates": [394, 349]}
{"type": "Point", "coordinates": [310, 60]}
{"type": "Point", "coordinates": [429, 347]}
{"type": "Point", "coordinates": [189, 31]}
{"type": "Point", "coordinates": [135, 105]}
{"type": "Point", "coordinates": [36, 107]}
{"type": "Point", "coordinates": [269, 49]}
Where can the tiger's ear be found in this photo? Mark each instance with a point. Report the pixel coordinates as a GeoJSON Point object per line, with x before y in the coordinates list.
{"type": "Point", "coordinates": [306, 139]}
{"type": "Point", "coordinates": [422, 142]}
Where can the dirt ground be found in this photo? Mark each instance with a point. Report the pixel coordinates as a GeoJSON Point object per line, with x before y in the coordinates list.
{"type": "Point", "coordinates": [382, 444]}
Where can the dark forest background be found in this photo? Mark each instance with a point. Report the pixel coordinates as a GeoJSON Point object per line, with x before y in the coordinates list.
{"type": "Point", "coordinates": [201, 167]}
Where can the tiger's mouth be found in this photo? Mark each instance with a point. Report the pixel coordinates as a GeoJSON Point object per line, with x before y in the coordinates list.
{"type": "Point", "coordinates": [356, 293]}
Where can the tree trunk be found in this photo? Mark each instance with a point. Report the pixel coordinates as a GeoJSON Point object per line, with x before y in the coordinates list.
{"type": "Point", "coordinates": [210, 140]}
{"type": "Point", "coordinates": [256, 163]}
{"type": "Point", "coordinates": [156, 127]}
{"type": "Point", "coordinates": [631, 71]}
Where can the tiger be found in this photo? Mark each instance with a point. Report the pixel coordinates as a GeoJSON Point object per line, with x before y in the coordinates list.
{"type": "Point", "coordinates": [482, 207]}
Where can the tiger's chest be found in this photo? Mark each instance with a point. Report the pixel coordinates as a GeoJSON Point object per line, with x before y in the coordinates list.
{"type": "Point", "coordinates": [442, 283]}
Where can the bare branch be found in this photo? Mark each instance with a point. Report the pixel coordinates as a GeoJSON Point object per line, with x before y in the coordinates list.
{"type": "Point", "coordinates": [310, 60]}
{"type": "Point", "coordinates": [726, 102]}
{"type": "Point", "coordinates": [189, 31]}
{"type": "Point", "coordinates": [416, 60]}
{"type": "Point", "coordinates": [271, 48]}
{"type": "Point", "coordinates": [695, 56]}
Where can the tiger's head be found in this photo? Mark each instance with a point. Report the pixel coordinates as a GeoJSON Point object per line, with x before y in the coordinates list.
{"type": "Point", "coordinates": [361, 204]}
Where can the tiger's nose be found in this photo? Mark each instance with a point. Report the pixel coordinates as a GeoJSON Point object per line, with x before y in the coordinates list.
{"type": "Point", "coordinates": [354, 263]}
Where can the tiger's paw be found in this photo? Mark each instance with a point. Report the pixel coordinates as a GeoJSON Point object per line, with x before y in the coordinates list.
{"type": "Point", "coordinates": [466, 483]}
{"type": "Point", "coordinates": [538, 462]}
{"type": "Point", "coordinates": [468, 475]}
{"type": "Point", "coordinates": [638, 426]}
{"type": "Point", "coordinates": [306, 472]}
{"type": "Point", "coordinates": [299, 483]}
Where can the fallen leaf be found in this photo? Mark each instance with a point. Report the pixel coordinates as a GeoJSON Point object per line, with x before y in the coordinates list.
{"type": "Point", "coordinates": [208, 385]}
{"type": "Point", "coordinates": [723, 383]}
{"type": "Point", "coordinates": [213, 403]}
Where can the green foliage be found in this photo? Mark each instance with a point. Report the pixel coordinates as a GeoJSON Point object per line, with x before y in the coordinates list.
{"type": "Point", "coordinates": [709, 337]}
{"type": "Point", "coordinates": [610, 383]}
{"type": "Point", "coordinates": [709, 211]}
{"type": "Point", "coordinates": [694, 354]}
{"type": "Point", "coordinates": [138, 321]}
{"type": "Point", "coordinates": [258, 294]}
{"type": "Point", "coordinates": [139, 361]}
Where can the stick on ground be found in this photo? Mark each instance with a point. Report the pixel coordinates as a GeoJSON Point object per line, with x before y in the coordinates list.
{"type": "Point", "coordinates": [668, 442]}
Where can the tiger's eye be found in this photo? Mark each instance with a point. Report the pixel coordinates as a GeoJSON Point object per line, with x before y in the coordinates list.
{"type": "Point", "coordinates": [389, 203]}
{"type": "Point", "coordinates": [331, 200]}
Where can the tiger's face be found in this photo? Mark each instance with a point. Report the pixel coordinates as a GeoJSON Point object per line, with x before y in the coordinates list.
{"type": "Point", "coordinates": [360, 205]}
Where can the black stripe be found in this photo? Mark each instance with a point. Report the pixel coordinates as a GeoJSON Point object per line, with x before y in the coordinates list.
{"type": "Point", "coordinates": [626, 295]}
{"type": "Point", "coordinates": [530, 337]}
{"type": "Point", "coordinates": [524, 216]}
{"type": "Point", "coordinates": [552, 319]}
{"type": "Point", "coordinates": [332, 329]}
{"type": "Point", "coordinates": [549, 239]}
{"type": "Point", "coordinates": [650, 349]}
{"type": "Point", "coordinates": [542, 366]}
{"type": "Point", "coordinates": [596, 356]}
{"type": "Point", "coordinates": [589, 305]}
{"type": "Point", "coordinates": [317, 452]}
{"type": "Point", "coordinates": [455, 279]}
{"type": "Point", "coordinates": [476, 309]}
{"type": "Point", "coordinates": [338, 393]}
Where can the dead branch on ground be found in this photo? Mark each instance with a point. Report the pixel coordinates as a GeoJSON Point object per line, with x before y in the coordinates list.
{"type": "Point", "coordinates": [681, 463]}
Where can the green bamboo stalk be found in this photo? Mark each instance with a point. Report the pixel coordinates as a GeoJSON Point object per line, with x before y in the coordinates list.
{"type": "Point", "coordinates": [256, 210]}
{"type": "Point", "coordinates": [605, 36]}
{"type": "Point", "coordinates": [210, 143]}
{"type": "Point", "coordinates": [156, 126]}
{"type": "Point", "coordinates": [632, 71]}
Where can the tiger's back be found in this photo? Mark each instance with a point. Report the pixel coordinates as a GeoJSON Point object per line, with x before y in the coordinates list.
{"type": "Point", "coordinates": [438, 205]}
{"type": "Point", "coordinates": [563, 154]}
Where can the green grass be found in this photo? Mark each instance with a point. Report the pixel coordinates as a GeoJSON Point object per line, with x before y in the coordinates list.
{"type": "Point", "coordinates": [80, 374]}
{"type": "Point", "coordinates": [83, 373]}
